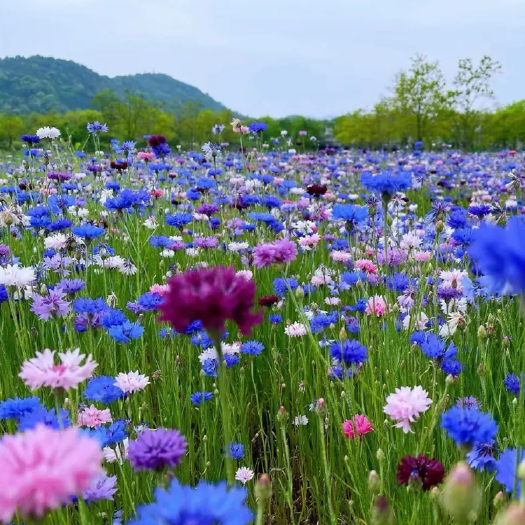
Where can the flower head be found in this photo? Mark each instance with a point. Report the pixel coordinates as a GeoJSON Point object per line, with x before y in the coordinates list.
{"type": "Point", "coordinates": [156, 449]}
{"type": "Point", "coordinates": [131, 382]}
{"type": "Point", "coordinates": [42, 468]}
{"type": "Point", "coordinates": [42, 371]}
{"type": "Point", "coordinates": [211, 296]}
{"type": "Point", "coordinates": [420, 470]}
{"type": "Point", "coordinates": [469, 426]}
{"type": "Point", "coordinates": [406, 404]}
{"type": "Point", "coordinates": [357, 426]}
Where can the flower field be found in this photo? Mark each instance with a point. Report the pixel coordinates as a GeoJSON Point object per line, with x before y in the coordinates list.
{"type": "Point", "coordinates": [253, 334]}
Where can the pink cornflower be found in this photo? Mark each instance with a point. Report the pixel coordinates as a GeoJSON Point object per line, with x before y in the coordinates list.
{"type": "Point", "coordinates": [212, 296]}
{"type": "Point", "coordinates": [274, 252]}
{"type": "Point", "coordinates": [376, 306]}
{"type": "Point", "coordinates": [41, 469]}
{"type": "Point", "coordinates": [131, 382]}
{"type": "Point", "coordinates": [357, 426]}
{"type": "Point", "coordinates": [366, 266]}
{"type": "Point", "coordinates": [92, 417]}
{"type": "Point", "coordinates": [422, 256]}
{"type": "Point", "coordinates": [395, 256]}
{"type": "Point", "coordinates": [296, 330]}
{"type": "Point", "coordinates": [160, 289]}
{"type": "Point", "coordinates": [340, 256]}
{"type": "Point", "coordinates": [310, 241]}
{"type": "Point", "coordinates": [145, 155]}
{"type": "Point", "coordinates": [405, 405]}
{"type": "Point", "coordinates": [42, 371]}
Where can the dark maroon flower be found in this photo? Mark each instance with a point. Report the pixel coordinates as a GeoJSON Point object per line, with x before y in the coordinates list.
{"type": "Point", "coordinates": [420, 470]}
{"type": "Point", "coordinates": [268, 300]}
{"type": "Point", "coordinates": [316, 190]}
{"type": "Point", "coordinates": [119, 165]}
{"type": "Point", "coordinates": [212, 296]}
{"type": "Point", "coordinates": [156, 140]}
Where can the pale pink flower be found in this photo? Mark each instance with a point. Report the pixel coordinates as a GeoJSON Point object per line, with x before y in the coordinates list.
{"type": "Point", "coordinates": [247, 275]}
{"type": "Point", "coordinates": [422, 256]}
{"type": "Point", "coordinates": [41, 469]}
{"type": "Point", "coordinates": [366, 266]}
{"type": "Point", "coordinates": [92, 417]}
{"type": "Point", "coordinates": [160, 289]}
{"type": "Point", "coordinates": [357, 426]}
{"type": "Point", "coordinates": [131, 382]}
{"type": "Point", "coordinates": [42, 371]}
{"type": "Point", "coordinates": [340, 256]}
{"type": "Point", "coordinates": [405, 405]}
{"type": "Point", "coordinates": [295, 330]}
{"type": "Point", "coordinates": [244, 475]}
{"type": "Point", "coordinates": [145, 155]}
{"type": "Point", "coordinates": [376, 306]}
{"type": "Point", "coordinates": [310, 241]}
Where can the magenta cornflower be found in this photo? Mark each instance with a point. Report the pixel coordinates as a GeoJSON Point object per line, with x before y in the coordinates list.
{"type": "Point", "coordinates": [42, 371]}
{"type": "Point", "coordinates": [212, 296]}
{"type": "Point", "coordinates": [278, 252]}
{"type": "Point", "coordinates": [357, 426]}
{"type": "Point", "coordinates": [41, 469]}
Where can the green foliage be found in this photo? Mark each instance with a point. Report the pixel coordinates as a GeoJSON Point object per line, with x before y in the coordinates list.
{"type": "Point", "coordinates": [43, 85]}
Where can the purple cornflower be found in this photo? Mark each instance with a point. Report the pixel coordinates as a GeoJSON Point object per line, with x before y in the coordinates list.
{"type": "Point", "coordinates": [395, 256]}
{"type": "Point", "coordinates": [205, 242]}
{"type": "Point", "coordinates": [279, 252]}
{"type": "Point", "coordinates": [156, 449]}
{"type": "Point", "coordinates": [207, 209]}
{"type": "Point", "coordinates": [51, 304]}
{"type": "Point", "coordinates": [103, 487]}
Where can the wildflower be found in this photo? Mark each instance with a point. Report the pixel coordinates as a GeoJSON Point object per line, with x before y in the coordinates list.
{"type": "Point", "coordinates": [103, 390]}
{"type": "Point", "coordinates": [103, 487]}
{"type": "Point", "coordinates": [156, 449]}
{"type": "Point", "coordinates": [357, 426]}
{"type": "Point", "coordinates": [376, 306]}
{"type": "Point", "coordinates": [42, 468]}
{"type": "Point", "coordinates": [131, 382]}
{"type": "Point", "coordinates": [52, 304]}
{"type": "Point", "coordinates": [125, 332]}
{"type": "Point", "coordinates": [278, 252]}
{"type": "Point", "coordinates": [420, 470]}
{"type": "Point", "coordinates": [96, 127]}
{"type": "Point", "coordinates": [206, 503]}
{"type": "Point", "coordinates": [42, 371]}
{"type": "Point", "coordinates": [469, 426]}
{"type": "Point", "coordinates": [349, 352]}
{"type": "Point", "coordinates": [405, 405]}
{"type": "Point", "coordinates": [47, 132]}
{"type": "Point", "coordinates": [244, 475]}
{"type": "Point", "coordinates": [199, 398]}
{"type": "Point", "coordinates": [296, 330]}
{"type": "Point", "coordinates": [16, 408]}
{"type": "Point", "coordinates": [506, 470]}
{"type": "Point", "coordinates": [211, 296]}
{"type": "Point", "coordinates": [93, 417]}
{"type": "Point", "coordinates": [300, 421]}
{"type": "Point", "coordinates": [14, 275]}
{"type": "Point", "coordinates": [236, 451]}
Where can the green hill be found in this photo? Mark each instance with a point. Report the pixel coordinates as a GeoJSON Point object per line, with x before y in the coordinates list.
{"type": "Point", "coordinates": [44, 84]}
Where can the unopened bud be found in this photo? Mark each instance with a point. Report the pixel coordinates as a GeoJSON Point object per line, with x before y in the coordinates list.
{"type": "Point", "coordinates": [482, 332]}
{"type": "Point", "coordinates": [382, 513]}
{"type": "Point", "coordinates": [514, 514]}
{"type": "Point", "coordinates": [450, 379]}
{"type": "Point", "coordinates": [299, 292]}
{"type": "Point", "coordinates": [263, 488]}
{"type": "Point", "coordinates": [380, 455]}
{"type": "Point", "coordinates": [374, 483]}
{"type": "Point", "coordinates": [461, 496]}
{"type": "Point", "coordinates": [282, 415]}
{"type": "Point", "coordinates": [320, 407]}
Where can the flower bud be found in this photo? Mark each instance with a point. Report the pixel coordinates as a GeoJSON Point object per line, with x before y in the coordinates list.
{"type": "Point", "coordinates": [482, 332]}
{"type": "Point", "coordinates": [320, 407]}
{"type": "Point", "coordinates": [380, 455]}
{"type": "Point", "coordinates": [282, 415]}
{"type": "Point", "coordinates": [263, 488]}
{"type": "Point", "coordinates": [514, 514]}
{"type": "Point", "coordinates": [461, 496]}
{"type": "Point", "coordinates": [299, 292]}
{"type": "Point", "coordinates": [374, 483]}
{"type": "Point", "coordinates": [382, 513]}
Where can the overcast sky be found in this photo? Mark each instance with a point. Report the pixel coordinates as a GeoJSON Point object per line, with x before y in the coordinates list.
{"type": "Point", "coordinates": [273, 57]}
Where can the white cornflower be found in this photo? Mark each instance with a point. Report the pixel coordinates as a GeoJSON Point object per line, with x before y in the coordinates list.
{"type": "Point", "coordinates": [244, 475]}
{"type": "Point", "coordinates": [19, 276]}
{"type": "Point", "coordinates": [131, 382]}
{"type": "Point", "coordinates": [300, 421]}
{"type": "Point", "coordinates": [48, 133]}
{"type": "Point", "coordinates": [295, 330]}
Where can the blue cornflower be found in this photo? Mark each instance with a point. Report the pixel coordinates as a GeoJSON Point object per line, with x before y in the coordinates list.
{"type": "Point", "coordinates": [252, 348]}
{"type": "Point", "coordinates": [500, 255]}
{"type": "Point", "coordinates": [87, 231]}
{"type": "Point", "coordinates": [350, 352]}
{"type": "Point", "coordinates": [199, 398]}
{"type": "Point", "coordinates": [43, 416]}
{"type": "Point", "coordinates": [386, 183]}
{"type": "Point", "coordinates": [4, 296]}
{"type": "Point", "coordinates": [469, 426]}
{"type": "Point", "coordinates": [206, 504]}
{"type": "Point", "coordinates": [281, 286]}
{"type": "Point", "coordinates": [96, 127]}
{"type": "Point", "coordinates": [16, 408]}
{"type": "Point", "coordinates": [179, 220]}
{"type": "Point", "coordinates": [124, 333]}
{"type": "Point", "coordinates": [512, 384]}
{"type": "Point", "coordinates": [481, 457]}
{"type": "Point", "coordinates": [257, 127]}
{"type": "Point", "coordinates": [275, 319]}
{"type": "Point", "coordinates": [112, 318]}
{"type": "Point", "coordinates": [236, 451]}
{"type": "Point", "coordinates": [30, 139]}
{"type": "Point", "coordinates": [109, 435]}
{"type": "Point", "coordinates": [349, 212]}
{"type": "Point", "coordinates": [506, 470]}
{"type": "Point", "coordinates": [103, 390]}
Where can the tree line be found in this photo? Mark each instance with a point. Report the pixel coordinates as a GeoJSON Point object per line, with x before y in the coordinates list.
{"type": "Point", "coordinates": [420, 107]}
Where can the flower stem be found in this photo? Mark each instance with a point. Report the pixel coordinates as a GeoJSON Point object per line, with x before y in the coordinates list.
{"type": "Point", "coordinates": [225, 410]}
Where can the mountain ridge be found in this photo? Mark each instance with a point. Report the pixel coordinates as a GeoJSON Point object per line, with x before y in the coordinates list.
{"type": "Point", "coordinates": [46, 84]}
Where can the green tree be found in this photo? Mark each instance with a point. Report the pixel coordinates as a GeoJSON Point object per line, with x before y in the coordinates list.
{"type": "Point", "coordinates": [472, 84]}
{"type": "Point", "coordinates": [11, 127]}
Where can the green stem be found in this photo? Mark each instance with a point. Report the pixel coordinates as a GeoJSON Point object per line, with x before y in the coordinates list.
{"type": "Point", "coordinates": [328, 481]}
{"type": "Point", "coordinates": [225, 410]}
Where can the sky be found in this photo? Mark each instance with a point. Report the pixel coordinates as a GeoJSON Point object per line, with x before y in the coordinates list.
{"type": "Point", "coordinates": [273, 57]}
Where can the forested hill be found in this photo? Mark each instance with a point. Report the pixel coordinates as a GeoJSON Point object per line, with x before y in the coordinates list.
{"type": "Point", "coordinates": [44, 85]}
